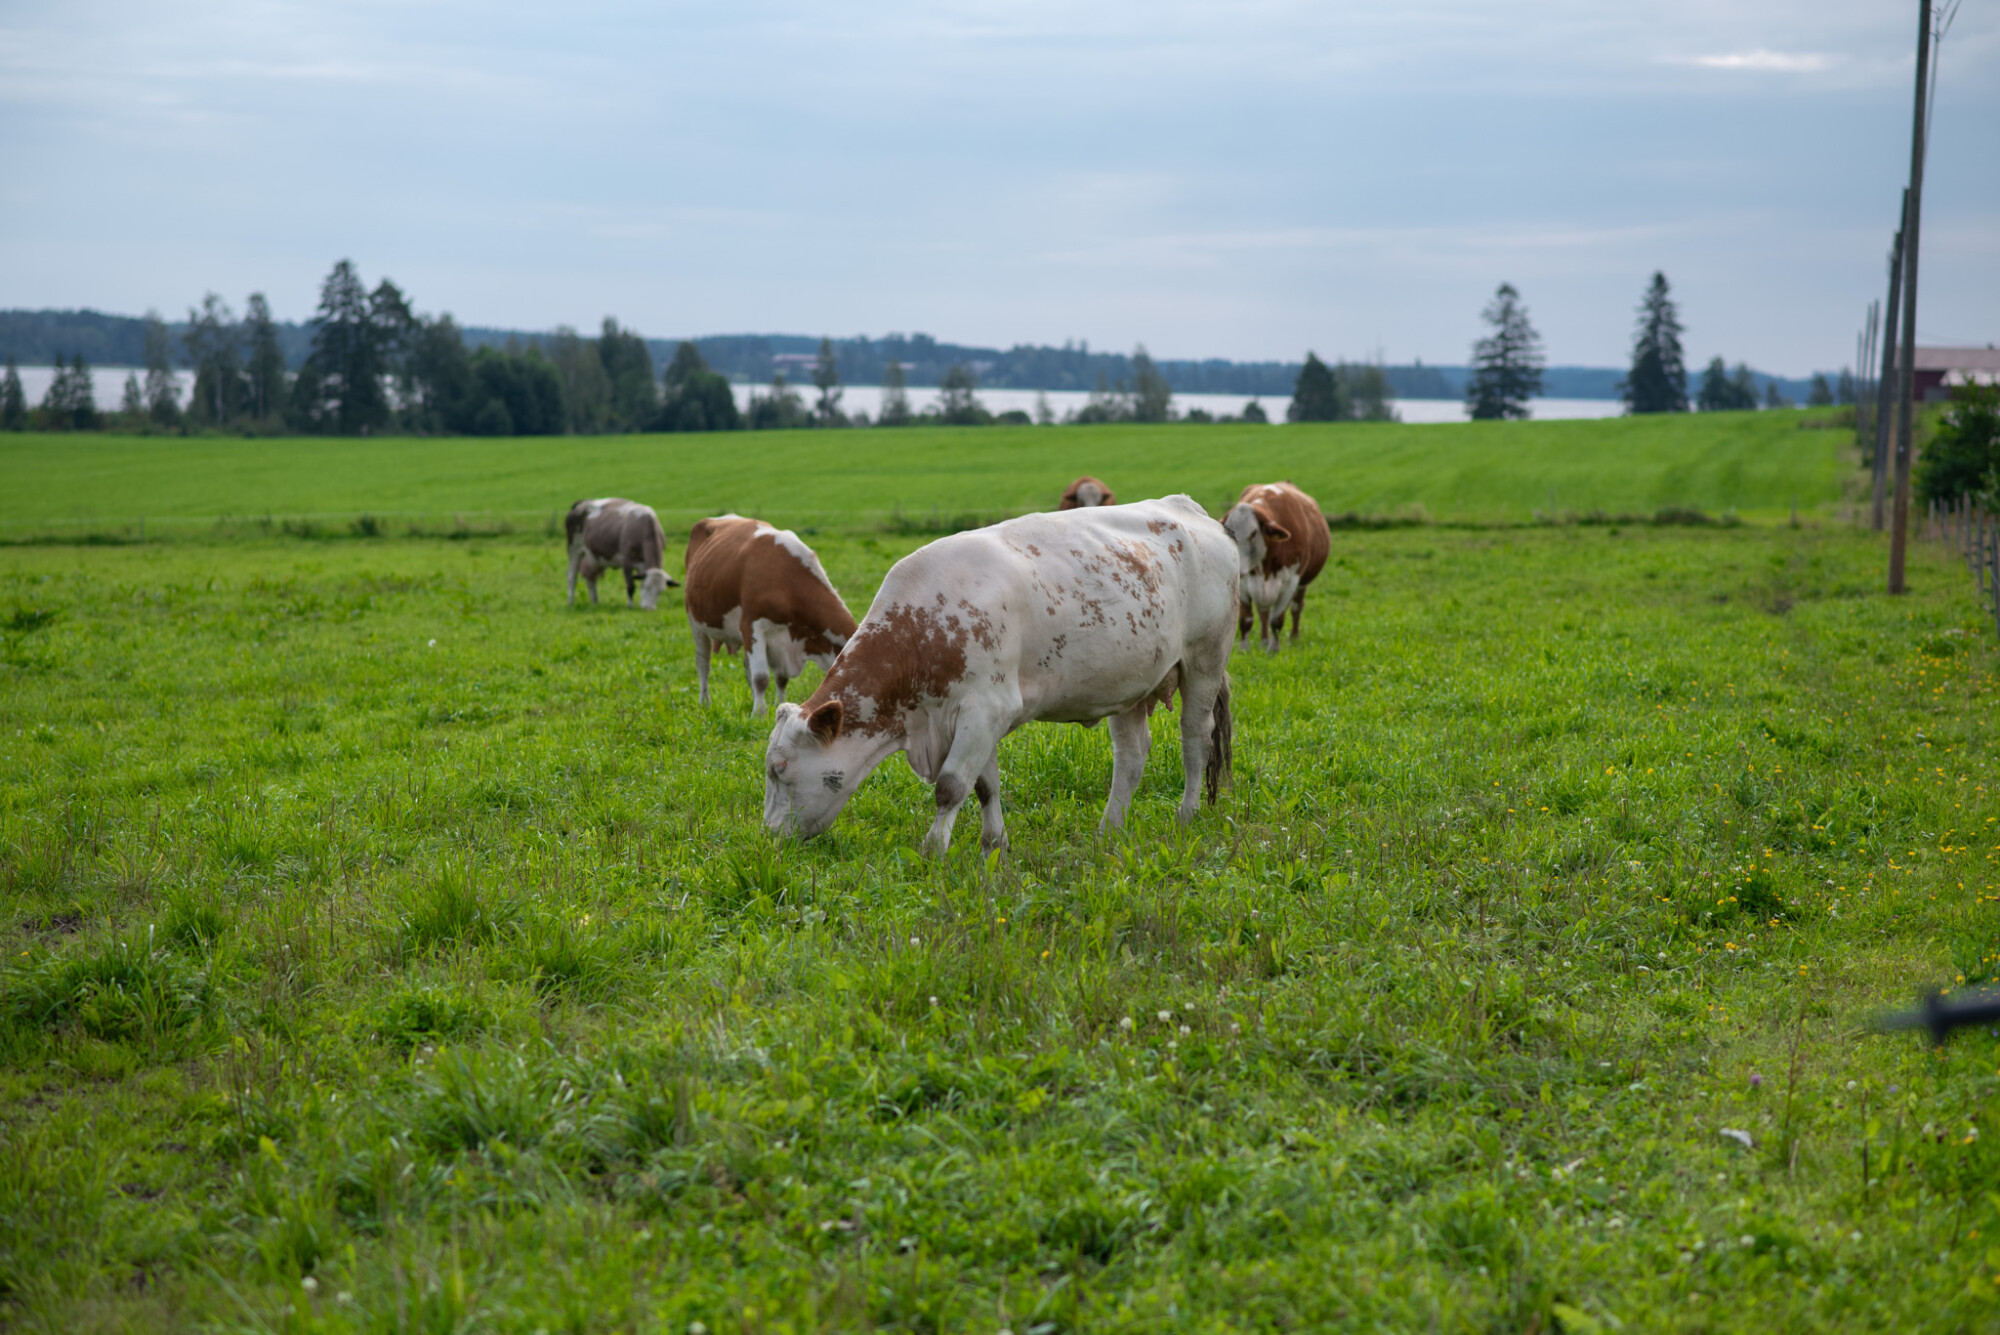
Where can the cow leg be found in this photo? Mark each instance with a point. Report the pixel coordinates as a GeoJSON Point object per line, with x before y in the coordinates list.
{"type": "Point", "coordinates": [757, 665]}
{"type": "Point", "coordinates": [575, 564]}
{"type": "Point", "coordinates": [1243, 622]}
{"type": "Point", "coordinates": [631, 584]}
{"type": "Point", "coordinates": [590, 578]}
{"type": "Point", "coordinates": [701, 650]}
{"type": "Point", "coordinates": [1131, 739]}
{"type": "Point", "coordinates": [992, 825]}
{"type": "Point", "coordinates": [1265, 635]}
{"type": "Point", "coordinates": [1199, 692]}
{"type": "Point", "coordinates": [974, 751]}
{"type": "Point", "coordinates": [1298, 610]}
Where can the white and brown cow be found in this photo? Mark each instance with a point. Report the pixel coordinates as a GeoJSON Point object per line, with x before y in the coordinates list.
{"type": "Point", "coordinates": [1084, 493]}
{"type": "Point", "coordinates": [1068, 617]}
{"type": "Point", "coordinates": [614, 533]}
{"type": "Point", "coordinates": [1281, 545]}
{"type": "Point", "coordinates": [757, 588]}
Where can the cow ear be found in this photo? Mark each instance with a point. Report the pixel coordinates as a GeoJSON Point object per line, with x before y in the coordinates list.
{"type": "Point", "coordinates": [824, 722]}
{"type": "Point", "coordinates": [1273, 530]}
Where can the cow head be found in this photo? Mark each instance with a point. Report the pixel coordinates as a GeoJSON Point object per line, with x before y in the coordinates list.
{"type": "Point", "coordinates": [656, 582]}
{"type": "Point", "coordinates": [1254, 531]}
{"type": "Point", "coordinates": [811, 767]}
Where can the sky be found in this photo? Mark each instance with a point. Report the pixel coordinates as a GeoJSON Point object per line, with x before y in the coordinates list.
{"type": "Point", "coordinates": [1243, 180]}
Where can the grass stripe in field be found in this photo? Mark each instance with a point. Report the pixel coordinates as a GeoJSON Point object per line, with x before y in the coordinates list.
{"type": "Point", "coordinates": [1748, 462]}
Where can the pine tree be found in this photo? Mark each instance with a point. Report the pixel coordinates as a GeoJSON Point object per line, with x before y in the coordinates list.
{"type": "Point", "coordinates": [341, 387]}
{"type": "Point", "coordinates": [1152, 396]}
{"type": "Point", "coordinates": [1316, 396]}
{"type": "Point", "coordinates": [1657, 382]}
{"type": "Point", "coordinates": [13, 400]}
{"type": "Point", "coordinates": [265, 368]}
{"type": "Point", "coordinates": [1507, 363]}
{"type": "Point", "coordinates": [826, 379]}
{"type": "Point", "coordinates": [163, 396]}
{"type": "Point", "coordinates": [895, 400]}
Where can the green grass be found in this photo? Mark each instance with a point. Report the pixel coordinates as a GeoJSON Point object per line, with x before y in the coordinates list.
{"type": "Point", "coordinates": [1759, 463]}
{"type": "Point", "coordinates": [388, 947]}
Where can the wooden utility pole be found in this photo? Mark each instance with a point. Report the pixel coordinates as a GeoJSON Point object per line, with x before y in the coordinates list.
{"type": "Point", "coordinates": [1885, 384]}
{"type": "Point", "coordinates": [1906, 374]}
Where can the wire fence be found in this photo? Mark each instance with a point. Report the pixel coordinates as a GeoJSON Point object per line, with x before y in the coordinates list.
{"type": "Point", "coordinates": [1969, 528]}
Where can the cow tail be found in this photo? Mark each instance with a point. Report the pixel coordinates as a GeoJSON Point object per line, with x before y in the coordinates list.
{"type": "Point", "coordinates": [1221, 743]}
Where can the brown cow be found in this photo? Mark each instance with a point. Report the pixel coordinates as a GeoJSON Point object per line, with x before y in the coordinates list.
{"type": "Point", "coordinates": [621, 534]}
{"type": "Point", "coordinates": [1281, 541]}
{"type": "Point", "coordinates": [1086, 492]}
{"type": "Point", "coordinates": [755, 586]}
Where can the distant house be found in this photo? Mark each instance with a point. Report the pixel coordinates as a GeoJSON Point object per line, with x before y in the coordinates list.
{"type": "Point", "coordinates": [1938, 369]}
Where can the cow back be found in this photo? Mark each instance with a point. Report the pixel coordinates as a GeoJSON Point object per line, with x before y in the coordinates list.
{"type": "Point", "coordinates": [762, 573]}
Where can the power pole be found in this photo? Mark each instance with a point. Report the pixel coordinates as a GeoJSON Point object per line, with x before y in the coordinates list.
{"type": "Point", "coordinates": [1885, 386]}
{"type": "Point", "coordinates": [1899, 533]}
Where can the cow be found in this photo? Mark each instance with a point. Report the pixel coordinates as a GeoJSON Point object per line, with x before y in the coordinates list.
{"type": "Point", "coordinates": [1067, 617]}
{"type": "Point", "coordinates": [758, 588]}
{"type": "Point", "coordinates": [616, 533]}
{"type": "Point", "coordinates": [1281, 545]}
{"type": "Point", "coordinates": [1084, 493]}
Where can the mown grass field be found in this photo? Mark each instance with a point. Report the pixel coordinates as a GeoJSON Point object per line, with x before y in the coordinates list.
{"type": "Point", "coordinates": [389, 947]}
{"type": "Point", "coordinates": [1754, 463]}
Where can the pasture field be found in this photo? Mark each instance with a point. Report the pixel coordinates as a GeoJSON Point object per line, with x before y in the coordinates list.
{"type": "Point", "coordinates": [1754, 463]}
{"type": "Point", "coordinates": [389, 947]}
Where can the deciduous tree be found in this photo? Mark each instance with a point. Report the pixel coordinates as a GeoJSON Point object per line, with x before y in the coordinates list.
{"type": "Point", "coordinates": [214, 353]}
{"type": "Point", "coordinates": [826, 379]}
{"type": "Point", "coordinates": [163, 396]}
{"type": "Point", "coordinates": [1152, 396]}
{"type": "Point", "coordinates": [895, 396]}
{"type": "Point", "coordinates": [956, 404]}
{"type": "Point", "coordinates": [628, 370]}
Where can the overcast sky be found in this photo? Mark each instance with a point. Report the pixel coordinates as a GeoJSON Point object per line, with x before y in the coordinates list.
{"type": "Point", "coordinates": [1242, 180]}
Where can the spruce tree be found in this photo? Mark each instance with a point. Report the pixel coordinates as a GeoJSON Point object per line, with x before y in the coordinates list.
{"type": "Point", "coordinates": [343, 389]}
{"type": "Point", "coordinates": [1820, 394]}
{"type": "Point", "coordinates": [1657, 382]}
{"type": "Point", "coordinates": [1316, 396]}
{"type": "Point", "coordinates": [1716, 394]}
{"type": "Point", "coordinates": [133, 403]}
{"type": "Point", "coordinates": [82, 395]}
{"type": "Point", "coordinates": [1507, 363]}
{"type": "Point", "coordinates": [628, 369]}
{"type": "Point", "coordinates": [13, 400]}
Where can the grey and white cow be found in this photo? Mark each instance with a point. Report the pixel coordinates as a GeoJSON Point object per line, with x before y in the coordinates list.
{"type": "Point", "coordinates": [614, 533]}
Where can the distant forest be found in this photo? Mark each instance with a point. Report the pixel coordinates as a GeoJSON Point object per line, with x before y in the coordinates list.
{"type": "Point", "coordinates": [35, 338]}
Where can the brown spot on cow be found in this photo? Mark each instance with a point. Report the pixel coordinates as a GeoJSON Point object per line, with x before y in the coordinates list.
{"type": "Point", "coordinates": [904, 656]}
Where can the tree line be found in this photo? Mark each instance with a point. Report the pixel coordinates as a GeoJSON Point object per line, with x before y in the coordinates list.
{"type": "Point", "coordinates": [1507, 366]}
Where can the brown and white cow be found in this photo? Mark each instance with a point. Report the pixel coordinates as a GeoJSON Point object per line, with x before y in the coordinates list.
{"type": "Point", "coordinates": [1068, 617]}
{"type": "Point", "coordinates": [757, 588]}
{"type": "Point", "coordinates": [1084, 493]}
{"type": "Point", "coordinates": [1281, 545]}
{"type": "Point", "coordinates": [614, 533]}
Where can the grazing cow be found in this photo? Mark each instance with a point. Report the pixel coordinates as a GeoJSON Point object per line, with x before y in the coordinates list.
{"type": "Point", "coordinates": [1084, 493]}
{"type": "Point", "coordinates": [1064, 618]}
{"type": "Point", "coordinates": [754, 587]}
{"type": "Point", "coordinates": [614, 532]}
{"type": "Point", "coordinates": [1281, 544]}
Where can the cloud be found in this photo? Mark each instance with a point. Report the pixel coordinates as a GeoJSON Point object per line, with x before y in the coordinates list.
{"type": "Point", "coordinates": [1784, 62]}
